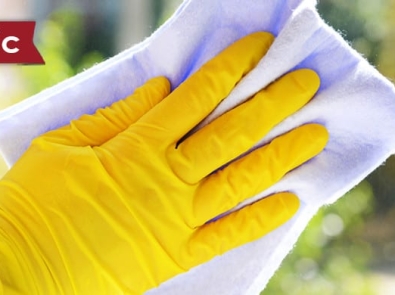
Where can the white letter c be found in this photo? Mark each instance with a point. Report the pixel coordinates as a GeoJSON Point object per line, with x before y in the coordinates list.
{"type": "Point", "coordinates": [4, 44]}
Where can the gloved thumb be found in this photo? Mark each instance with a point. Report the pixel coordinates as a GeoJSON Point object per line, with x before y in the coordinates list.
{"type": "Point", "coordinates": [94, 130]}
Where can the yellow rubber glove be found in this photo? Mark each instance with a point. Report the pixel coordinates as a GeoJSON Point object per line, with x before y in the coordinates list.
{"type": "Point", "coordinates": [115, 203]}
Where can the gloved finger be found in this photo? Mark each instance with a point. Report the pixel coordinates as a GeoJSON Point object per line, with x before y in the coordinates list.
{"type": "Point", "coordinates": [94, 130]}
{"type": "Point", "coordinates": [242, 226]}
{"type": "Point", "coordinates": [257, 171]}
{"type": "Point", "coordinates": [238, 130]}
{"type": "Point", "coordinates": [197, 96]}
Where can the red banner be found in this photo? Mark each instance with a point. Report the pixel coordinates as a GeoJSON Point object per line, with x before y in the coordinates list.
{"type": "Point", "coordinates": [16, 43]}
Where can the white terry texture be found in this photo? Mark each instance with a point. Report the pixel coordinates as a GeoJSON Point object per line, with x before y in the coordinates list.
{"type": "Point", "coordinates": [355, 103]}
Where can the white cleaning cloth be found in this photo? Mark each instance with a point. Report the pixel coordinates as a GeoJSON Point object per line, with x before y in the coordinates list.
{"type": "Point", "coordinates": [355, 103]}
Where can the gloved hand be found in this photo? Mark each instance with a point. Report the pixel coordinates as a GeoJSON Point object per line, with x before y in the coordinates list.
{"type": "Point", "coordinates": [120, 201]}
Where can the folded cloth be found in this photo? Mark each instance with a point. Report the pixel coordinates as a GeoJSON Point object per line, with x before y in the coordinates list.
{"type": "Point", "coordinates": [355, 103]}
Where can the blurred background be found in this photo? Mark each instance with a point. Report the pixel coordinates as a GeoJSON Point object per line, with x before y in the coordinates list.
{"type": "Point", "coordinates": [349, 247]}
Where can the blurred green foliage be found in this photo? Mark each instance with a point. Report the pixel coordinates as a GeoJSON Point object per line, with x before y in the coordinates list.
{"type": "Point", "coordinates": [62, 41]}
{"type": "Point", "coordinates": [331, 257]}
{"type": "Point", "coordinates": [359, 21]}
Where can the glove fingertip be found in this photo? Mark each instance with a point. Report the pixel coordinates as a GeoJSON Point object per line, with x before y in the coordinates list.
{"type": "Point", "coordinates": [161, 84]}
{"type": "Point", "coordinates": [291, 203]}
{"type": "Point", "coordinates": [307, 79]}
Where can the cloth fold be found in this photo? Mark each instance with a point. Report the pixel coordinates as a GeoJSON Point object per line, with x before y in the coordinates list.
{"type": "Point", "coordinates": [355, 102]}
